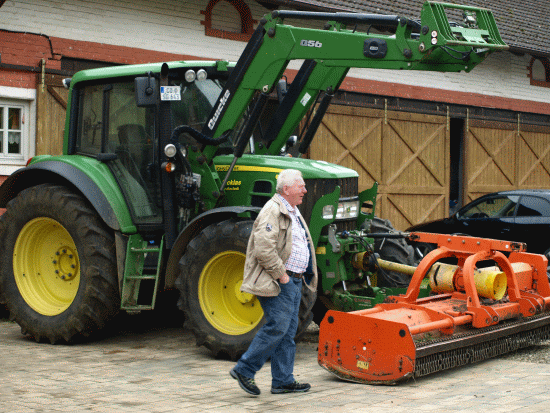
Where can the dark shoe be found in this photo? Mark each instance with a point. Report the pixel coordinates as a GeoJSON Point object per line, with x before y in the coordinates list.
{"type": "Point", "coordinates": [291, 388]}
{"type": "Point", "coordinates": [246, 384]}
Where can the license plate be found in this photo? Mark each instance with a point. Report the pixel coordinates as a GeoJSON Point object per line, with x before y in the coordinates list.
{"type": "Point", "coordinates": [170, 93]}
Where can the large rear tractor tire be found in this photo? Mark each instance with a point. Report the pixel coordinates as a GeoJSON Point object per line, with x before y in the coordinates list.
{"type": "Point", "coordinates": [58, 269]}
{"type": "Point", "coordinates": [223, 318]}
{"type": "Point", "coordinates": [391, 249]}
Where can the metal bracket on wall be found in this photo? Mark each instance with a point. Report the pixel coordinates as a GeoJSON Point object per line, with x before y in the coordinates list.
{"type": "Point", "coordinates": [43, 74]}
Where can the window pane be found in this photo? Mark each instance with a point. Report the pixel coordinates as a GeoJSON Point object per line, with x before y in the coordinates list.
{"type": "Point", "coordinates": [14, 119]}
{"type": "Point", "coordinates": [130, 137]}
{"type": "Point", "coordinates": [12, 132]}
{"type": "Point", "coordinates": [531, 206]}
{"type": "Point", "coordinates": [493, 207]}
{"type": "Point", "coordinates": [14, 142]}
{"type": "Point", "coordinates": [89, 121]}
{"type": "Point", "coordinates": [538, 71]}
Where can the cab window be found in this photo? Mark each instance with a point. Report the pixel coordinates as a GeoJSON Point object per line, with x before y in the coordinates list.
{"type": "Point", "coordinates": [110, 122]}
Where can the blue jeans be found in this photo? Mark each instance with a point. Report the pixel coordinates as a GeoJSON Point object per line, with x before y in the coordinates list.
{"type": "Point", "coordinates": [275, 338]}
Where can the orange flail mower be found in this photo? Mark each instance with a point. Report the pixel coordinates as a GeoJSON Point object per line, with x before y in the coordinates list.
{"type": "Point", "coordinates": [494, 300]}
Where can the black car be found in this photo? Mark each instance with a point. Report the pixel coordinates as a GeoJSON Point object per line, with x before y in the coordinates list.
{"type": "Point", "coordinates": [519, 215]}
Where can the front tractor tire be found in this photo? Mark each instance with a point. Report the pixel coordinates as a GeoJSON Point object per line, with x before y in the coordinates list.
{"type": "Point", "coordinates": [58, 268]}
{"type": "Point", "coordinates": [222, 318]}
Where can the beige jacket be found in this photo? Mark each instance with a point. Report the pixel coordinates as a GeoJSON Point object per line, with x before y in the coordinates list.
{"type": "Point", "coordinates": [269, 248]}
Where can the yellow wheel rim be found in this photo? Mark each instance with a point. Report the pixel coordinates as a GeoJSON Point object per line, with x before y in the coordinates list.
{"type": "Point", "coordinates": [46, 266]}
{"type": "Point", "coordinates": [225, 307]}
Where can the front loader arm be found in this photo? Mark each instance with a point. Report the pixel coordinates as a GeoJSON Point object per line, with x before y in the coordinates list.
{"type": "Point", "coordinates": [432, 45]}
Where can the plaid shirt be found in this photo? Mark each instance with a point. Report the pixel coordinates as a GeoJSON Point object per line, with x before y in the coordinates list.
{"type": "Point", "coordinates": [299, 257]}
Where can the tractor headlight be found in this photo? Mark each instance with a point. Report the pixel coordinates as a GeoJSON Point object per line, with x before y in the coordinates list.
{"type": "Point", "coordinates": [201, 75]}
{"type": "Point", "coordinates": [190, 76]}
{"type": "Point", "coordinates": [346, 209]}
{"type": "Point", "coordinates": [170, 150]}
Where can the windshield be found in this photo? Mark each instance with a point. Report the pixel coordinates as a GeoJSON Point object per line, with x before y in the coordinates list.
{"type": "Point", "coordinates": [197, 100]}
{"type": "Point", "coordinates": [195, 106]}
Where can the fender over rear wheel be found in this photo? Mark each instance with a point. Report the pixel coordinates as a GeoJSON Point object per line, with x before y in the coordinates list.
{"type": "Point", "coordinates": [223, 318]}
{"type": "Point", "coordinates": [58, 271]}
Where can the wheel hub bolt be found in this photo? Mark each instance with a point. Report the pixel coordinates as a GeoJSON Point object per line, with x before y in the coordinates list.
{"type": "Point", "coordinates": [66, 262]}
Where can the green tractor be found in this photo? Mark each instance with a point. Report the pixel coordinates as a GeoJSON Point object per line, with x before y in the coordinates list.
{"type": "Point", "coordinates": [166, 165]}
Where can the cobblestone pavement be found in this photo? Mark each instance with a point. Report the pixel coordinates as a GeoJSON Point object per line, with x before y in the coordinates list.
{"type": "Point", "coordinates": [163, 371]}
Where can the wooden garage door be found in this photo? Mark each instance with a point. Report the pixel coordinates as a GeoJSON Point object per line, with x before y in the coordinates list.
{"type": "Point", "coordinates": [51, 108]}
{"type": "Point", "coordinates": [406, 153]}
{"type": "Point", "coordinates": [503, 156]}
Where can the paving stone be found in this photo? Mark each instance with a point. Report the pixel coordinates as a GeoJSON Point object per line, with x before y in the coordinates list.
{"type": "Point", "coordinates": [162, 371]}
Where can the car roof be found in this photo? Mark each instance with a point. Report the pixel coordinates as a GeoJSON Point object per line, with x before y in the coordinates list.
{"type": "Point", "coordinates": [537, 192]}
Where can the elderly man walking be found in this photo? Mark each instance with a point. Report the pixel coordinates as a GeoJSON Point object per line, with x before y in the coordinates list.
{"type": "Point", "coordinates": [279, 252]}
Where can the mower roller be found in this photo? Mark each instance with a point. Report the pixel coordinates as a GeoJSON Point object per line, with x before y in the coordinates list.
{"type": "Point", "coordinates": [494, 300]}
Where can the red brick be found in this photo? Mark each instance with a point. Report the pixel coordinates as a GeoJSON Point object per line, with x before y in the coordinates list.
{"type": "Point", "coordinates": [20, 79]}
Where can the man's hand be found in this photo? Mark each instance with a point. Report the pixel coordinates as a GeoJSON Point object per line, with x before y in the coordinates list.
{"type": "Point", "coordinates": [284, 278]}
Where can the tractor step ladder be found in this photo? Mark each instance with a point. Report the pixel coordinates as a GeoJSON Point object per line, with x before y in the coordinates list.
{"type": "Point", "coordinates": [136, 253]}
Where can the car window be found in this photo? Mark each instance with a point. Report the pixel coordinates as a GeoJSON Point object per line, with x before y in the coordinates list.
{"type": "Point", "coordinates": [531, 206]}
{"type": "Point", "coordinates": [498, 206]}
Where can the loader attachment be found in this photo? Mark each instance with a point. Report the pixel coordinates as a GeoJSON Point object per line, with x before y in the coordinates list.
{"type": "Point", "coordinates": [477, 26]}
{"type": "Point", "coordinates": [495, 300]}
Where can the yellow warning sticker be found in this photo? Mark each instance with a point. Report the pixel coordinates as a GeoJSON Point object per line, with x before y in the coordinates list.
{"type": "Point", "coordinates": [363, 365]}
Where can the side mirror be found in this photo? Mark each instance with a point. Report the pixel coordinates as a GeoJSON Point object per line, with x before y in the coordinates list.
{"type": "Point", "coordinates": [147, 91]}
{"type": "Point", "coordinates": [291, 141]}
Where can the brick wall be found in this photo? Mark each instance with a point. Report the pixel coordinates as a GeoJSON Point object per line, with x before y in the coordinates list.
{"type": "Point", "coordinates": [112, 53]}
{"type": "Point", "coordinates": [23, 52]}
{"type": "Point", "coordinates": [26, 49]}
{"type": "Point", "coordinates": [17, 78]}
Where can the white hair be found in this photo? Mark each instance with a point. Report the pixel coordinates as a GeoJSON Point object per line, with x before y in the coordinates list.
{"type": "Point", "coordinates": [287, 177]}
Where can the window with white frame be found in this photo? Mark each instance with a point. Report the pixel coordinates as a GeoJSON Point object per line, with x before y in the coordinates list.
{"type": "Point", "coordinates": [13, 129]}
{"type": "Point", "coordinates": [10, 129]}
